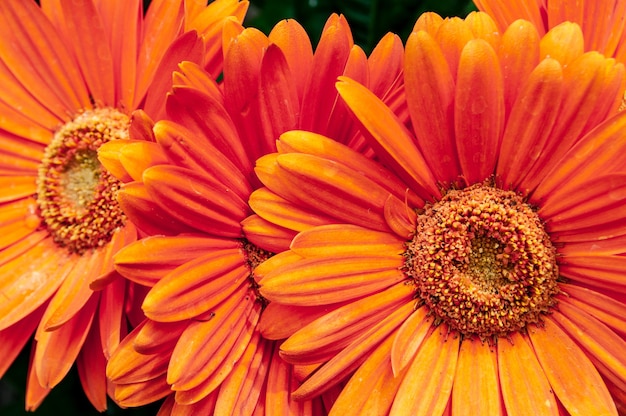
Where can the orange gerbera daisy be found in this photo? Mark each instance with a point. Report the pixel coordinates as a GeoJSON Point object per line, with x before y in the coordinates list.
{"type": "Point", "coordinates": [481, 272]}
{"type": "Point", "coordinates": [602, 21]}
{"type": "Point", "coordinates": [192, 184]}
{"type": "Point", "coordinates": [71, 73]}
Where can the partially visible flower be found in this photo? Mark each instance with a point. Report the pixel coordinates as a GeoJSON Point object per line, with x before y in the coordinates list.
{"type": "Point", "coordinates": [71, 73]}
{"type": "Point", "coordinates": [601, 21]}
{"type": "Point", "coordinates": [190, 192]}
{"type": "Point", "coordinates": [478, 270]}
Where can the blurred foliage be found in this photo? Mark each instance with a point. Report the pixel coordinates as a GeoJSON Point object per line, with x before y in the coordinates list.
{"type": "Point", "coordinates": [370, 20]}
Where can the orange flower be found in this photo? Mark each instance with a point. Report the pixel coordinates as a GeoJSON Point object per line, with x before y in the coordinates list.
{"type": "Point", "coordinates": [192, 183]}
{"type": "Point", "coordinates": [602, 21]}
{"type": "Point", "coordinates": [71, 72]}
{"type": "Point", "coordinates": [480, 272]}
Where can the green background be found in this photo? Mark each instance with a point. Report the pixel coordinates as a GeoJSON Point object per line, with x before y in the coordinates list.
{"type": "Point", "coordinates": [369, 20]}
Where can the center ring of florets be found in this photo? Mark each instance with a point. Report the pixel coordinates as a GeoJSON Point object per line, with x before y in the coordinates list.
{"type": "Point", "coordinates": [482, 261]}
{"type": "Point", "coordinates": [76, 196]}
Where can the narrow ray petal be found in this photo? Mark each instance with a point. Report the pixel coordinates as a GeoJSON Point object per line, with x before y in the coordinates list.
{"type": "Point", "coordinates": [478, 110]}
{"type": "Point", "coordinates": [525, 388]}
{"type": "Point", "coordinates": [275, 326]}
{"type": "Point", "coordinates": [564, 42]}
{"type": "Point", "coordinates": [196, 200]}
{"type": "Point", "coordinates": [393, 141]}
{"type": "Point", "coordinates": [430, 96]}
{"type": "Point", "coordinates": [409, 338]}
{"type": "Point", "coordinates": [151, 258]}
{"type": "Point", "coordinates": [57, 350]}
{"type": "Point", "coordinates": [351, 357]}
{"type": "Point", "coordinates": [476, 385]}
{"type": "Point", "coordinates": [345, 240]}
{"type": "Point", "coordinates": [196, 286]}
{"type": "Point", "coordinates": [572, 376]}
{"type": "Point", "coordinates": [322, 338]}
{"type": "Point", "coordinates": [143, 393]}
{"type": "Point", "coordinates": [437, 356]}
{"type": "Point", "coordinates": [91, 365]}
{"type": "Point", "coordinates": [324, 280]}
{"type": "Point", "coordinates": [602, 307]}
{"type": "Point", "coordinates": [596, 270]}
{"type": "Point", "coordinates": [267, 235]}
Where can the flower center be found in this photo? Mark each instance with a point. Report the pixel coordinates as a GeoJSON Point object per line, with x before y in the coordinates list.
{"type": "Point", "coordinates": [255, 256]}
{"type": "Point", "coordinates": [75, 194]}
{"type": "Point", "coordinates": [483, 262]}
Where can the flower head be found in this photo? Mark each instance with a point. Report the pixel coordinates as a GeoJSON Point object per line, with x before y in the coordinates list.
{"type": "Point", "coordinates": [478, 268]}
{"type": "Point", "coordinates": [71, 73]}
{"type": "Point", "coordinates": [201, 344]}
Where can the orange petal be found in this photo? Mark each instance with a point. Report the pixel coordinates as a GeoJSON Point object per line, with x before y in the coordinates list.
{"type": "Point", "coordinates": [15, 187]}
{"type": "Point", "coordinates": [149, 217]}
{"type": "Point", "coordinates": [74, 292]}
{"type": "Point", "coordinates": [525, 388]}
{"type": "Point", "coordinates": [111, 317]}
{"type": "Point", "coordinates": [127, 366]}
{"type": "Point", "coordinates": [327, 280]}
{"type": "Point", "coordinates": [158, 337]}
{"type": "Point", "coordinates": [400, 218]}
{"type": "Point", "coordinates": [599, 342]}
{"type": "Point", "coordinates": [109, 155]}
{"type": "Point", "coordinates": [329, 61]}
{"type": "Point", "coordinates": [268, 236]}
{"type": "Point", "coordinates": [136, 157]}
{"type": "Point", "coordinates": [199, 367]}
{"type": "Point", "coordinates": [430, 96]}
{"type": "Point", "coordinates": [420, 394]}
{"type": "Point", "coordinates": [57, 350]}
{"type": "Point", "coordinates": [35, 393]}
{"type": "Point", "coordinates": [339, 240]}
{"type": "Point", "coordinates": [599, 147]}
{"type": "Point", "coordinates": [352, 356]}
{"type": "Point", "coordinates": [530, 122]}
{"type": "Point", "coordinates": [483, 27]}
{"type": "Point", "coordinates": [294, 42]}
{"type": "Point", "coordinates": [602, 307]}
{"type": "Point", "coordinates": [601, 270]}
{"type": "Point", "coordinates": [505, 13]}
{"type": "Point", "coordinates": [370, 391]}
{"type": "Point", "coordinates": [333, 189]}
{"type": "Point", "coordinates": [300, 141]}
{"type": "Point", "coordinates": [30, 279]}
{"type": "Point", "coordinates": [148, 260]}
{"type": "Point", "coordinates": [15, 337]}
{"type": "Point", "coordinates": [322, 338]}
{"type": "Point", "coordinates": [190, 151]}
{"type": "Point", "coordinates": [91, 365]}
{"type": "Point", "coordinates": [197, 286]}
{"type": "Point", "coordinates": [279, 260]}
{"type": "Point", "coordinates": [196, 200]}
{"type": "Point", "coordinates": [563, 42]}
{"type": "Point", "coordinates": [274, 324]}
{"type": "Point", "coordinates": [478, 110]}
{"type": "Point", "coordinates": [516, 66]}
{"type": "Point", "coordinates": [143, 393]}
{"type": "Point", "coordinates": [574, 379]}
{"type": "Point", "coordinates": [241, 390]}
{"type": "Point", "coordinates": [51, 71]}
{"type": "Point", "coordinates": [207, 118]}
{"type": "Point", "coordinates": [393, 142]}
{"type": "Point", "coordinates": [476, 388]}
{"type": "Point", "coordinates": [409, 338]}
{"type": "Point", "coordinates": [452, 35]}
{"type": "Point", "coordinates": [86, 30]}
{"type": "Point", "coordinates": [284, 213]}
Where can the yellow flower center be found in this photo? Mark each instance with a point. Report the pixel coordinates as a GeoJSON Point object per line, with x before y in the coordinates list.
{"type": "Point", "coordinates": [483, 262]}
{"type": "Point", "coordinates": [75, 194]}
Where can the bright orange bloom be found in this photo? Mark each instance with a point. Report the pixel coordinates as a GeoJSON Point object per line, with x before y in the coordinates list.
{"type": "Point", "coordinates": [602, 21]}
{"type": "Point", "coordinates": [71, 73]}
{"type": "Point", "coordinates": [191, 185]}
{"type": "Point", "coordinates": [479, 269]}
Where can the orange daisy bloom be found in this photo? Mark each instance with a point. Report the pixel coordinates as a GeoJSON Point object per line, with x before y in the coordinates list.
{"type": "Point", "coordinates": [71, 74]}
{"type": "Point", "coordinates": [201, 338]}
{"type": "Point", "coordinates": [480, 271]}
{"type": "Point", "coordinates": [602, 21]}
